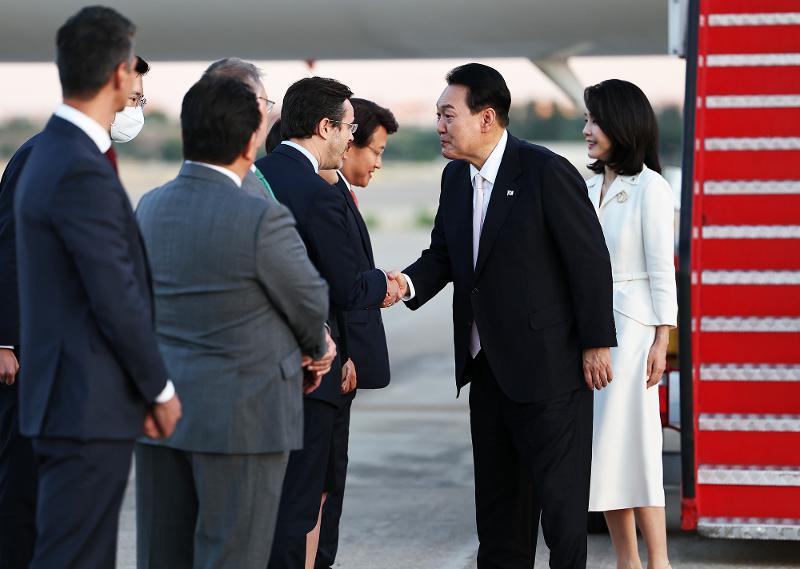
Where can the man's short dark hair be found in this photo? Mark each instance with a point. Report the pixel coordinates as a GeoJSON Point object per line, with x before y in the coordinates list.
{"type": "Point", "coordinates": [274, 137]}
{"type": "Point", "coordinates": [624, 114]}
{"type": "Point", "coordinates": [218, 117]}
{"type": "Point", "coordinates": [310, 100]}
{"type": "Point", "coordinates": [141, 67]}
{"type": "Point", "coordinates": [89, 47]}
{"type": "Point", "coordinates": [486, 88]}
{"type": "Point", "coordinates": [369, 116]}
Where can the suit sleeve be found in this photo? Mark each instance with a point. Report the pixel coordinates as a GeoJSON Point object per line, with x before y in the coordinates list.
{"type": "Point", "coordinates": [431, 272]}
{"type": "Point", "coordinates": [658, 232]}
{"type": "Point", "coordinates": [573, 223]}
{"type": "Point", "coordinates": [290, 280]}
{"type": "Point", "coordinates": [92, 220]}
{"type": "Point", "coordinates": [336, 259]}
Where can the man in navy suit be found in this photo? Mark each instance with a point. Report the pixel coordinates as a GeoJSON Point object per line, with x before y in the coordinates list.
{"type": "Point", "coordinates": [317, 125]}
{"type": "Point", "coordinates": [517, 236]}
{"type": "Point", "coordinates": [17, 461]}
{"type": "Point", "coordinates": [93, 379]}
{"type": "Point", "coordinates": [366, 338]}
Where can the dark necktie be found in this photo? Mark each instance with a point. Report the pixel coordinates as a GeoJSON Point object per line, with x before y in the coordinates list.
{"type": "Point", "coordinates": [111, 154]}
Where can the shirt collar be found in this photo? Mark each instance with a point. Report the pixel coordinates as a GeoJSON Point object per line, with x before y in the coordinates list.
{"type": "Point", "coordinates": [87, 124]}
{"type": "Point", "coordinates": [492, 165]}
{"type": "Point", "coordinates": [349, 187]}
{"type": "Point", "coordinates": [221, 169]}
{"type": "Point", "coordinates": [305, 152]}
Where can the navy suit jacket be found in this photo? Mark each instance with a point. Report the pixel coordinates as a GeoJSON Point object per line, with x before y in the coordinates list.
{"type": "Point", "coordinates": [366, 338]}
{"type": "Point", "coordinates": [9, 299]}
{"type": "Point", "coordinates": [90, 363]}
{"type": "Point", "coordinates": [323, 222]}
{"type": "Point", "coordinates": [541, 290]}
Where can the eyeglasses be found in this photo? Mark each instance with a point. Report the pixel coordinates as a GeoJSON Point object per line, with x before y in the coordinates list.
{"type": "Point", "coordinates": [377, 153]}
{"type": "Point", "coordinates": [351, 125]}
{"type": "Point", "coordinates": [137, 101]}
{"type": "Point", "coordinates": [270, 104]}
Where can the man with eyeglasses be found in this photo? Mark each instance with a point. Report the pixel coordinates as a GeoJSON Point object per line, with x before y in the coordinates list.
{"type": "Point", "coordinates": [235, 68]}
{"type": "Point", "coordinates": [18, 473]}
{"type": "Point", "coordinates": [317, 125]}
{"type": "Point", "coordinates": [369, 356]}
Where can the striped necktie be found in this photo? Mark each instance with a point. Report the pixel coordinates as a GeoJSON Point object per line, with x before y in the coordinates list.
{"type": "Point", "coordinates": [263, 180]}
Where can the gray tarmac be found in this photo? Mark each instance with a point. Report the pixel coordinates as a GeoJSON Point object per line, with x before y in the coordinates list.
{"type": "Point", "coordinates": [409, 500]}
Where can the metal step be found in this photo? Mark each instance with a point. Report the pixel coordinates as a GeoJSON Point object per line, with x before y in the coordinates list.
{"type": "Point", "coordinates": [750, 528]}
{"type": "Point", "coordinates": [749, 422]}
{"type": "Point", "coordinates": [749, 324]}
{"type": "Point", "coordinates": [749, 372]}
{"type": "Point", "coordinates": [735, 475]}
{"type": "Point", "coordinates": [752, 187]}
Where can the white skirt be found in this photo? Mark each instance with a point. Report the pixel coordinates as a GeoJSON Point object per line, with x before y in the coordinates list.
{"type": "Point", "coordinates": [627, 439]}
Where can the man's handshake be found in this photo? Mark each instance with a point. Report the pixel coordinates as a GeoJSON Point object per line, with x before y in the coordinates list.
{"type": "Point", "coordinates": [396, 288]}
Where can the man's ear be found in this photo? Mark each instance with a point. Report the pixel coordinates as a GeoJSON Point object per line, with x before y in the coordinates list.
{"type": "Point", "coordinates": [119, 75]}
{"type": "Point", "coordinates": [488, 119]}
{"type": "Point", "coordinates": [250, 151]}
{"type": "Point", "coordinates": [323, 129]}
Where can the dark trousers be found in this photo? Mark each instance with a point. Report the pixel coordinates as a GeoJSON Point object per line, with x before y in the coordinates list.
{"type": "Point", "coordinates": [17, 486]}
{"type": "Point", "coordinates": [529, 457]}
{"type": "Point", "coordinates": [81, 485]}
{"type": "Point", "coordinates": [307, 476]}
{"type": "Point", "coordinates": [332, 510]}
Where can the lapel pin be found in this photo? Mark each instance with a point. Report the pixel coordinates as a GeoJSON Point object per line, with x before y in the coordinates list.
{"type": "Point", "coordinates": [510, 193]}
{"type": "Point", "coordinates": [622, 196]}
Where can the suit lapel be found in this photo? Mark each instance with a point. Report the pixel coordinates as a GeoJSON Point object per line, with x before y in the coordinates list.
{"type": "Point", "coordinates": [504, 194]}
{"type": "Point", "coordinates": [462, 200]}
{"type": "Point", "coordinates": [362, 227]}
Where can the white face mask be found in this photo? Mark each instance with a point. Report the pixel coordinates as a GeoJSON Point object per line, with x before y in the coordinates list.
{"type": "Point", "coordinates": [127, 124]}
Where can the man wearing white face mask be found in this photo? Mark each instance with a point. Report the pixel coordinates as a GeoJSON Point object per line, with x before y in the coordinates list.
{"type": "Point", "coordinates": [18, 472]}
{"type": "Point", "coordinates": [129, 121]}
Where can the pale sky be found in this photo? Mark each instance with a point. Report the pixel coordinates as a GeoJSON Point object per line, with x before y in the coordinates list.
{"type": "Point", "coordinates": [409, 87]}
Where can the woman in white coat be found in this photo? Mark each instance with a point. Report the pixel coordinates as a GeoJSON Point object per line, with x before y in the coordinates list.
{"type": "Point", "coordinates": [635, 207]}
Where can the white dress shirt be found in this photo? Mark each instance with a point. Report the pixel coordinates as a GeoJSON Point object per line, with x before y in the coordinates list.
{"type": "Point", "coordinates": [102, 139]}
{"type": "Point", "coordinates": [489, 173]}
{"type": "Point", "coordinates": [306, 153]}
{"type": "Point", "coordinates": [221, 169]}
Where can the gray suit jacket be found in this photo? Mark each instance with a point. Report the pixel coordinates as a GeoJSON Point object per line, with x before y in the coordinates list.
{"type": "Point", "coordinates": [237, 300]}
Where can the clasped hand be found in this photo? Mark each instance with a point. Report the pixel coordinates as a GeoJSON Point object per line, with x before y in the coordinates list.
{"type": "Point", "coordinates": [396, 288]}
{"type": "Point", "coordinates": [315, 370]}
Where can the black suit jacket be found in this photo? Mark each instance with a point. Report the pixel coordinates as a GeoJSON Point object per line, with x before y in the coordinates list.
{"type": "Point", "coordinates": [9, 299]}
{"type": "Point", "coordinates": [91, 363]}
{"type": "Point", "coordinates": [541, 290]}
{"type": "Point", "coordinates": [366, 338]}
{"type": "Point", "coordinates": [322, 217]}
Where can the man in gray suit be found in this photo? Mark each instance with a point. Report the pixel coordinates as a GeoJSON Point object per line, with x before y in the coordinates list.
{"type": "Point", "coordinates": [238, 308]}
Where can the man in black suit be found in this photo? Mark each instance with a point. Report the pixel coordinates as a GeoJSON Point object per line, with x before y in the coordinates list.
{"type": "Point", "coordinates": [18, 477]}
{"type": "Point", "coordinates": [317, 125]}
{"type": "Point", "coordinates": [366, 338]}
{"type": "Point", "coordinates": [92, 376]}
{"type": "Point", "coordinates": [517, 236]}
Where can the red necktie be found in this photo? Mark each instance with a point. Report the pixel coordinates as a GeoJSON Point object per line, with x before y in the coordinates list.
{"type": "Point", "coordinates": [111, 154]}
{"type": "Point", "coordinates": [355, 199]}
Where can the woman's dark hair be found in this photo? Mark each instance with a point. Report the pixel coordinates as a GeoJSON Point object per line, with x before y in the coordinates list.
{"type": "Point", "coordinates": [486, 88]}
{"type": "Point", "coordinates": [369, 116]}
{"type": "Point", "coordinates": [89, 47]}
{"type": "Point", "coordinates": [310, 100]}
{"type": "Point", "coordinates": [624, 114]}
{"type": "Point", "coordinates": [274, 137]}
{"type": "Point", "coordinates": [218, 117]}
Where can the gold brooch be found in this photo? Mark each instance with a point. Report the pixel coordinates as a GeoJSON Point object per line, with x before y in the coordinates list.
{"type": "Point", "coordinates": [622, 197]}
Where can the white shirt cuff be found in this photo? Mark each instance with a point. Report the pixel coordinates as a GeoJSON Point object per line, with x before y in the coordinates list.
{"type": "Point", "coordinates": [167, 393]}
{"type": "Point", "coordinates": [410, 294]}
{"type": "Point", "coordinates": [6, 347]}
